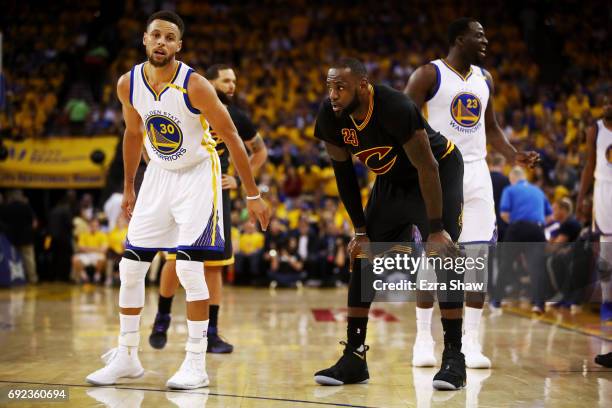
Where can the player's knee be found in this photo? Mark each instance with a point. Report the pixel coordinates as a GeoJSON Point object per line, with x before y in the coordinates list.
{"type": "Point", "coordinates": [191, 276]}
{"type": "Point", "coordinates": [132, 275]}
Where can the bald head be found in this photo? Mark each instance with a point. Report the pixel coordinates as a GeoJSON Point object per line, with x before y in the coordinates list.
{"type": "Point", "coordinates": [516, 174]}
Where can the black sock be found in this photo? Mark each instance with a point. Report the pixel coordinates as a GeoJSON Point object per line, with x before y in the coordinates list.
{"type": "Point", "coordinates": [164, 305]}
{"type": "Point", "coordinates": [213, 317]}
{"type": "Point", "coordinates": [356, 331]}
{"type": "Point", "coordinates": [452, 333]}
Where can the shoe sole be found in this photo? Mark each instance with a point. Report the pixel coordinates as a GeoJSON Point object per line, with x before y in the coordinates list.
{"type": "Point", "coordinates": [175, 386]}
{"type": "Point", "coordinates": [445, 386]}
{"type": "Point", "coordinates": [478, 366]}
{"type": "Point", "coordinates": [325, 380]}
{"type": "Point", "coordinates": [426, 364]}
{"type": "Point", "coordinates": [132, 377]}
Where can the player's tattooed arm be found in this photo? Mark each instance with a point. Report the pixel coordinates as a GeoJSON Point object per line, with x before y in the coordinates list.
{"type": "Point", "coordinates": [586, 180]}
{"type": "Point", "coordinates": [497, 138]}
{"type": "Point", "coordinates": [132, 143]}
{"type": "Point", "coordinates": [421, 84]}
{"type": "Point", "coordinates": [259, 152]}
{"type": "Point", "coordinates": [204, 98]}
{"type": "Point", "coordinates": [419, 152]}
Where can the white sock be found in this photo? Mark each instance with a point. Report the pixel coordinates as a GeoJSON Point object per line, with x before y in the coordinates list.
{"type": "Point", "coordinates": [471, 320]}
{"type": "Point", "coordinates": [423, 317]}
{"type": "Point", "coordinates": [197, 329]}
{"type": "Point", "coordinates": [606, 347]}
{"type": "Point", "coordinates": [129, 323]}
{"type": "Point", "coordinates": [606, 295]}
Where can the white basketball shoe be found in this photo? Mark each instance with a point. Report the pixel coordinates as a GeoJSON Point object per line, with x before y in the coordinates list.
{"type": "Point", "coordinates": [423, 352]}
{"type": "Point", "coordinates": [121, 362]}
{"type": "Point", "coordinates": [470, 347]}
{"type": "Point", "coordinates": [192, 373]}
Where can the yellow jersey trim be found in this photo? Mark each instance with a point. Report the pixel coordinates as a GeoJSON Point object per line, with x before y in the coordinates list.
{"type": "Point", "coordinates": [222, 262]}
{"type": "Point", "coordinates": [369, 114]}
{"type": "Point", "coordinates": [148, 84]}
{"type": "Point", "coordinates": [465, 78]}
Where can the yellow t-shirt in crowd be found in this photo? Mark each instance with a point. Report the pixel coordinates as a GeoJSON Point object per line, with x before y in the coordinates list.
{"type": "Point", "coordinates": [251, 242]}
{"type": "Point", "coordinates": [116, 240]}
{"type": "Point", "coordinates": [93, 240]}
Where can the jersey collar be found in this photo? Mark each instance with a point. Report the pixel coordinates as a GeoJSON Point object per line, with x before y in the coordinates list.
{"type": "Point", "coordinates": [465, 78]}
{"type": "Point", "coordinates": [156, 95]}
{"type": "Point", "coordinates": [369, 114]}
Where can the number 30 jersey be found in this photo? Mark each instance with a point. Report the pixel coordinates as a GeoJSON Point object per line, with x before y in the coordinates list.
{"type": "Point", "coordinates": [176, 135]}
{"type": "Point", "coordinates": [456, 108]}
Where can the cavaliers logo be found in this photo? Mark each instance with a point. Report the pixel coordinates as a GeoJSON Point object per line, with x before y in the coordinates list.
{"type": "Point", "coordinates": [466, 109]}
{"type": "Point", "coordinates": [374, 159]}
{"type": "Point", "coordinates": [164, 134]}
{"type": "Point", "coordinates": [609, 155]}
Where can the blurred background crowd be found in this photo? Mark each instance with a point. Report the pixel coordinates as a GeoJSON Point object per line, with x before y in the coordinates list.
{"type": "Point", "coordinates": [551, 66]}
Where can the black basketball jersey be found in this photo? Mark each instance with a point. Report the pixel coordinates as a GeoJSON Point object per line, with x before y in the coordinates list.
{"type": "Point", "coordinates": [391, 120]}
{"type": "Point", "coordinates": [246, 130]}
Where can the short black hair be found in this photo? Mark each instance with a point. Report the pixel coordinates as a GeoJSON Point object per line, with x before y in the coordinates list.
{"type": "Point", "coordinates": [169, 16]}
{"type": "Point", "coordinates": [213, 71]}
{"type": "Point", "coordinates": [353, 64]}
{"type": "Point", "coordinates": [458, 28]}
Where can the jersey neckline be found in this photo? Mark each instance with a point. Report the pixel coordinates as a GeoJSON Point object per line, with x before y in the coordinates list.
{"type": "Point", "coordinates": [157, 96]}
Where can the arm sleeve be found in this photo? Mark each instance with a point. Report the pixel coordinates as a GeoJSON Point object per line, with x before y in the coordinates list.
{"type": "Point", "coordinates": [506, 201]}
{"type": "Point", "coordinates": [402, 118]}
{"type": "Point", "coordinates": [348, 188]}
{"type": "Point", "coordinates": [325, 125]}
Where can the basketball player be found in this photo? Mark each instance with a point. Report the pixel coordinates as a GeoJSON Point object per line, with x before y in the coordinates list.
{"type": "Point", "coordinates": [599, 166]}
{"type": "Point", "coordinates": [456, 96]}
{"type": "Point", "coordinates": [223, 78]}
{"type": "Point", "coordinates": [179, 203]}
{"type": "Point", "coordinates": [419, 182]}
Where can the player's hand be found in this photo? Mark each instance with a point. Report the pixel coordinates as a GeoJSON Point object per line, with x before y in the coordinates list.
{"type": "Point", "coordinates": [228, 182]}
{"type": "Point", "coordinates": [359, 245]}
{"type": "Point", "coordinates": [128, 202]}
{"type": "Point", "coordinates": [527, 158]}
{"type": "Point", "coordinates": [440, 244]}
{"type": "Point", "coordinates": [259, 211]}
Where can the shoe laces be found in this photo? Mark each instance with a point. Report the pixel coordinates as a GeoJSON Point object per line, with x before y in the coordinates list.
{"type": "Point", "coordinates": [109, 355]}
{"type": "Point", "coordinates": [451, 356]}
{"type": "Point", "coordinates": [193, 363]}
{"type": "Point", "coordinates": [162, 322]}
{"type": "Point", "coordinates": [352, 348]}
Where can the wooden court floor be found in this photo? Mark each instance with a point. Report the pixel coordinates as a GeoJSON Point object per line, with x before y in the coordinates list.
{"type": "Point", "coordinates": [54, 334]}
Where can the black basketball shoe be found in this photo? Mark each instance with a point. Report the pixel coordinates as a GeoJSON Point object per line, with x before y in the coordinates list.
{"type": "Point", "coordinates": [216, 344]}
{"type": "Point", "coordinates": [604, 360]}
{"type": "Point", "coordinates": [158, 337]}
{"type": "Point", "coordinates": [352, 368]}
{"type": "Point", "coordinates": [452, 372]}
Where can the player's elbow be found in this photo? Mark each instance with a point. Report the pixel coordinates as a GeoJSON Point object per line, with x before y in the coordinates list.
{"type": "Point", "coordinates": [131, 134]}
{"type": "Point", "coordinates": [427, 166]}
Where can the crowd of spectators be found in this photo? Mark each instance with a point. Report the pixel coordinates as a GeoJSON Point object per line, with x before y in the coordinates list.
{"type": "Point", "coordinates": [550, 65]}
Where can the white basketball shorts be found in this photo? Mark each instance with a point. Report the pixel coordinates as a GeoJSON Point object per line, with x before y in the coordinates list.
{"type": "Point", "coordinates": [178, 209]}
{"type": "Point", "coordinates": [602, 206]}
{"type": "Point", "coordinates": [479, 224]}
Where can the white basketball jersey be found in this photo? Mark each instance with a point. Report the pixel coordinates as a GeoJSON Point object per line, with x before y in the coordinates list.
{"type": "Point", "coordinates": [457, 109]}
{"type": "Point", "coordinates": [176, 135]}
{"type": "Point", "coordinates": [603, 166]}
